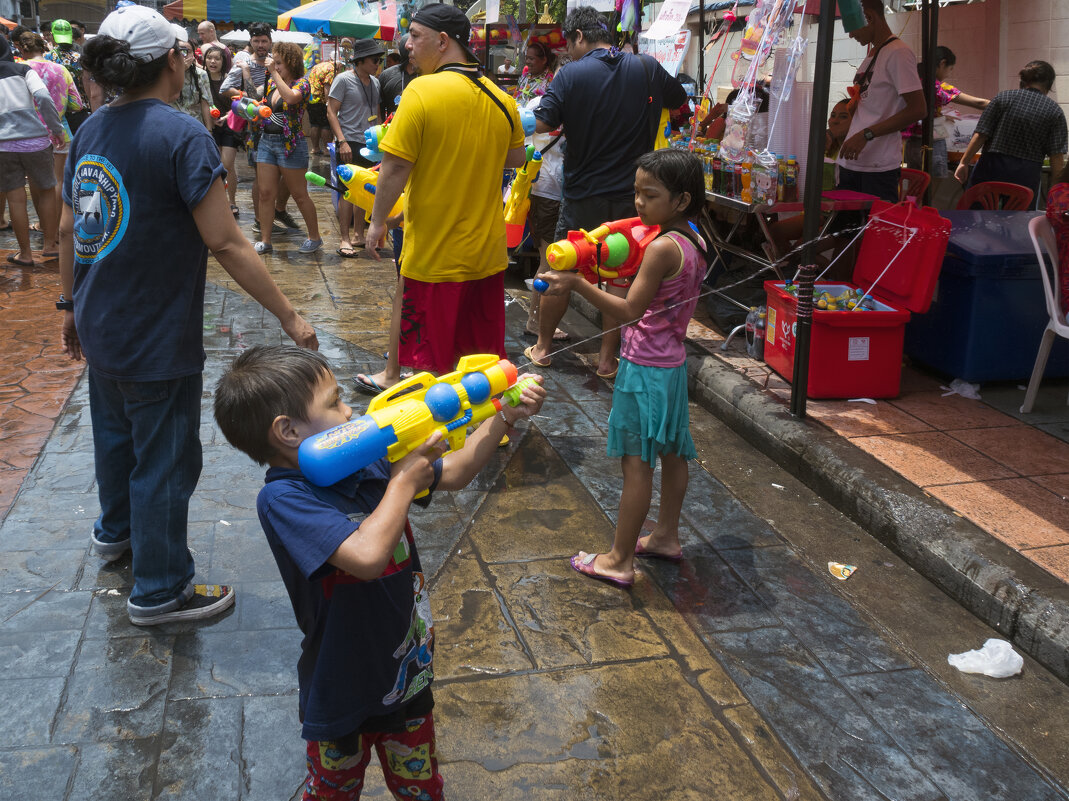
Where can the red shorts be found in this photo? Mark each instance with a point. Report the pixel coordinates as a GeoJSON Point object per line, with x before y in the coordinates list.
{"type": "Point", "coordinates": [408, 759]}
{"type": "Point", "coordinates": [440, 322]}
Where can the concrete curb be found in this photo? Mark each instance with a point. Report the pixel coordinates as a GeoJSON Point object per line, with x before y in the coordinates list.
{"type": "Point", "coordinates": [1022, 601]}
{"type": "Point", "coordinates": [1027, 605]}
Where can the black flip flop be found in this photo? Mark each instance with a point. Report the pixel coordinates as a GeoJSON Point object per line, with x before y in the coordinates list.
{"type": "Point", "coordinates": [367, 385]}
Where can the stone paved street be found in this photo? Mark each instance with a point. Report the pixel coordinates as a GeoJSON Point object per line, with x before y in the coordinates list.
{"type": "Point", "coordinates": [746, 672]}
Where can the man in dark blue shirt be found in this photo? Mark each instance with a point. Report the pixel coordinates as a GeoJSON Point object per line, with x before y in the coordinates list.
{"type": "Point", "coordinates": [609, 103]}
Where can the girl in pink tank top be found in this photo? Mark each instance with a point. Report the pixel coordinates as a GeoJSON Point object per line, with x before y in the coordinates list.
{"type": "Point", "coordinates": [649, 417]}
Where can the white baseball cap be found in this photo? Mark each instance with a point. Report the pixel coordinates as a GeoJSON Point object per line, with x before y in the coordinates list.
{"type": "Point", "coordinates": [180, 33]}
{"type": "Point", "coordinates": [149, 35]}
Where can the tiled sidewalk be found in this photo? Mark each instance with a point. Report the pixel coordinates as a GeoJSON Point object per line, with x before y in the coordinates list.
{"type": "Point", "coordinates": [1008, 473]}
{"type": "Point", "coordinates": [35, 377]}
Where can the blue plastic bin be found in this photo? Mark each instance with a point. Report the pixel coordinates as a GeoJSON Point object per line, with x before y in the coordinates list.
{"type": "Point", "coordinates": [988, 314]}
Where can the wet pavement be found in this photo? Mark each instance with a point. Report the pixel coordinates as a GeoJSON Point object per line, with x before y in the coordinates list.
{"type": "Point", "coordinates": [745, 672]}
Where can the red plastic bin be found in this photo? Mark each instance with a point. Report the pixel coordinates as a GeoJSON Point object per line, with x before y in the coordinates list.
{"type": "Point", "coordinates": [859, 353]}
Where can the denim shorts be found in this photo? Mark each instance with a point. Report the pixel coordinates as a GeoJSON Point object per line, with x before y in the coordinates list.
{"type": "Point", "coordinates": [272, 150]}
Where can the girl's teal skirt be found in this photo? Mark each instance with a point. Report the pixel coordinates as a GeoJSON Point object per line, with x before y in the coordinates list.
{"type": "Point", "coordinates": [649, 413]}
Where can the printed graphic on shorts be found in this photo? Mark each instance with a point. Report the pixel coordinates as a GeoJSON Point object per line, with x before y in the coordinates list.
{"type": "Point", "coordinates": [411, 322]}
{"type": "Point", "coordinates": [101, 208]}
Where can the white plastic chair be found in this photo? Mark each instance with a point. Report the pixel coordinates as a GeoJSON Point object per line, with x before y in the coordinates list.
{"type": "Point", "coordinates": [1042, 234]}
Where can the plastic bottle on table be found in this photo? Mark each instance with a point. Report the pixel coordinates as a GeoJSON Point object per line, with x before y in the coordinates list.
{"type": "Point", "coordinates": [790, 190]}
{"type": "Point", "coordinates": [745, 176]}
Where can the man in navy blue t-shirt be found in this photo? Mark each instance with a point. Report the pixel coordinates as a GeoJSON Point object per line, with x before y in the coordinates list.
{"type": "Point", "coordinates": [144, 202]}
{"type": "Point", "coordinates": [608, 103]}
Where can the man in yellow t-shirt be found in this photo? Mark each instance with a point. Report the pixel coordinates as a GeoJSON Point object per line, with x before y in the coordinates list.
{"type": "Point", "coordinates": [450, 140]}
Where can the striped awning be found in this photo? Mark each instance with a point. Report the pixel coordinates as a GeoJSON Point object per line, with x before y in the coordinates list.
{"type": "Point", "coordinates": [229, 10]}
{"type": "Point", "coordinates": [356, 18]}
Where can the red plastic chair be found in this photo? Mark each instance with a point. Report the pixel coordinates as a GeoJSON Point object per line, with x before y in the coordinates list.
{"type": "Point", "coordinates": [996, 196]}
{"type": "Point", "coordinates": [912, 184]}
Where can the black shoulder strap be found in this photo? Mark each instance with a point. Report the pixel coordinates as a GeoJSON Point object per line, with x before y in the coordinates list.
{"type": "Point", "coordinates": [475, 79]}
{"type": "Point", "coordinates": [549, 147]}
{"type": "Point", "coordinates": [692, 235]}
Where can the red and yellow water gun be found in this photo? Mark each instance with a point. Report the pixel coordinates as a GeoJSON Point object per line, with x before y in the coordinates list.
{"type": "Point", "coordinates": [612, 250]}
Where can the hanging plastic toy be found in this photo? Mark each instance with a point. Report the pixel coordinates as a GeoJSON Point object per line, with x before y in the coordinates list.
{"type": "Point", "coordinates": [770, 20]}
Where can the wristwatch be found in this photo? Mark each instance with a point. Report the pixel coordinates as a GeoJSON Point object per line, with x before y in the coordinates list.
{"type": "Point", "coordinates": [869, 135]}
{"type": "Point", "coordinates": [63, 304]}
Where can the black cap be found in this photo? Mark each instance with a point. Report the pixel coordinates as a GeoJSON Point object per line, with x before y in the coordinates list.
{"type": "Point", "coordinates": [449, 20]}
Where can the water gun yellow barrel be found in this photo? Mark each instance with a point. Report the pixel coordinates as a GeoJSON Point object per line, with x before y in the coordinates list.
{"type": "Point", "coordinates": [519, 201]}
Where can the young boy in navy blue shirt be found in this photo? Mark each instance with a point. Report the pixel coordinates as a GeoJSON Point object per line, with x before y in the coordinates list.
{"type": "Point", "coordinates": [349, 561]}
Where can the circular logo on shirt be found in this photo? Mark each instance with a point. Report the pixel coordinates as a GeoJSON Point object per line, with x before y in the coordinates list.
{"type": "Point", "coordinates": [101, 208]}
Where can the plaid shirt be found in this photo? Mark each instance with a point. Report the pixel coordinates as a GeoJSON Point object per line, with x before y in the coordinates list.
{"type": "Point", "coordinates": [1024, 123]}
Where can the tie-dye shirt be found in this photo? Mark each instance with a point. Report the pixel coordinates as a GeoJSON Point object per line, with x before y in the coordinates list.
{"type": "Point", "coordinates": [61, 88]}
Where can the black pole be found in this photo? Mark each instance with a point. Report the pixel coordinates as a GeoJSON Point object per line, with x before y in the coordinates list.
{"type": "Point", "coordinates": [811, 199]}
{"type": "Point", "coordinates": [929, 95]}
{"type": "Point", "coordinates": [928, 79]}
{"type": "Point", "coordinates": [701, 46]}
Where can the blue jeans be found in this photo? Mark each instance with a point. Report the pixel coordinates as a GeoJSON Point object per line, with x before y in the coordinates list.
{"type": "Point", "coordinates": [146, 444]}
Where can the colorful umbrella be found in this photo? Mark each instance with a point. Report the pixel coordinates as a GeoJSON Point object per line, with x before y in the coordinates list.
{"type": "Point", "coordinates": [229, 10]}
{"type": "Point", "coordinates": [7, 23]}
{"type": "Point", "coordinates": [356, 18]}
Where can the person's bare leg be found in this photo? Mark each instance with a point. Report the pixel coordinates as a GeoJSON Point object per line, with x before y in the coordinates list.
{"type": "Point", "coordinates": [618, 562]}
{"type": "Point", "coordinates": [268, 178]}
{"type": "Point", "coordinates": [20, 222]}
{"type": "Point", "coordinates": [59, 162]}
{"type": "Point", "coordinates": [391, 374]}
{"type": "Point", "coordinates": [551, 309]}
{"type": "Point", "coordinates": [35, 199]}
{"type": "Point", "coordinates": [536, 297]}
{"type": "Point", "coordinates": [610, 338]}
{"type": "Point", "coordinates": [298, 188]}
{"type": "Point", "coordinates": [255, 190]}
{"type": "Point", "coordinates": [345, 219]}
{"type": "Point", "coordinates": [664, 536]}
{"type": "Point", "coordinates": [359, 226]}
{"type": "Point", "coordinates": [229, 155]}
{"type": "Point", "coordinates": [49, 219]}
{"type": "Point", "coordinates": [283, 196]}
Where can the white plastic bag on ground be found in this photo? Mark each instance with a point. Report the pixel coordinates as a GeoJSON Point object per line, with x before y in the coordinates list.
{"type": "Point", "coordinates": [963, 388]}
{"type": "Point", "coordinates": [996, 659]}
